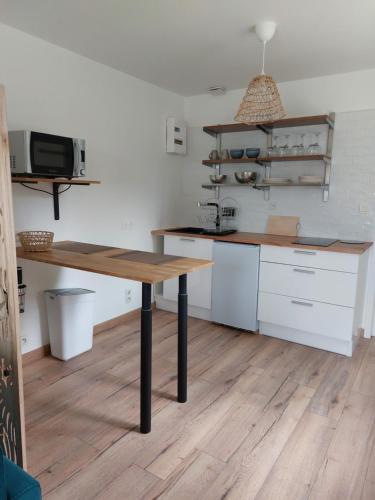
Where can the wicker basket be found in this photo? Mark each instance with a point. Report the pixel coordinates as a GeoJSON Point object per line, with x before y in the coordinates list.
{"type": "Point", "coordinates": [36, 241]}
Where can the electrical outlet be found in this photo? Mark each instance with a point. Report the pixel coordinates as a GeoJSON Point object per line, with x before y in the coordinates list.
{"type": "Point", "coordinates": [128, 296]}
{"type": "Point", "coordinates": [363, 208]}
{"type": "Point", "coordinates": [126, 225]}
{"type": "Point", "coordinates": [23, 340]}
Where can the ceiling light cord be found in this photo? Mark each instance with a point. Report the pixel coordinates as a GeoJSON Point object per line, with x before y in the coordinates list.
{"type": "Point", "coordinates": [263, 57]}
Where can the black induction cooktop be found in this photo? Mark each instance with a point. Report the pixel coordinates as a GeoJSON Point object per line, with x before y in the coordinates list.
{"type": "Point", "coordinates": [317, 242]}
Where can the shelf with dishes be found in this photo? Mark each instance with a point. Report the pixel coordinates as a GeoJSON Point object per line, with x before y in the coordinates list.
{"type": "Point", "coordinates": [249, 179]}
{"type": "Point", "coordinates": [268, 127]}
{"type": "Point", "coordinates": [267, 159]}
{"type": "Point", "coordinates": [292, 147]}
{"type": "Point", "coordinates": [264, 185]}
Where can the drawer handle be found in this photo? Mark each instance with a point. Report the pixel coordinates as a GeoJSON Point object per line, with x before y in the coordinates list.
{"type": "Point", "coordinates": [305, 252]}
{"type": "Point", "coordinates": [187, 239]}
{"type": "Point", "coordinates": [300, 303]}
{"type": "Point", "coordinates": [304, 271]}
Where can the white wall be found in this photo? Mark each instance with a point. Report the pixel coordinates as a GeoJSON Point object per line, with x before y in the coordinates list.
{"type": "Point", "coordinates": [122, 119]}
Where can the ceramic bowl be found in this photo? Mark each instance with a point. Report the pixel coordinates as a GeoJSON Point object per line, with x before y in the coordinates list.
{"type": "Point", "coordinates": [236, 154]}
{"type": "Point", "coordinates": [252, 152]}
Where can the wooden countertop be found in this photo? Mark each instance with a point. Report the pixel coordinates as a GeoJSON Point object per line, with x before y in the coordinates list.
{"type": "Point", "coordinates": [271, 239]}
{"type": "Point", "coordinates": [146, 267]}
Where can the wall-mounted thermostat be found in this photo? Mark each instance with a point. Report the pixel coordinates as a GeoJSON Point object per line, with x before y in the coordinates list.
{"type": "Point", "coordinates": [176, 136]}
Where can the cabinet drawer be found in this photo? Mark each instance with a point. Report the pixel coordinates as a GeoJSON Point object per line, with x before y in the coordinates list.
{"type": "Point", "coordinates": [185, 246]}
{"type": "Point", "coordinates": [320, 285]}
{"type": "Point", "coordinates": [314, 317]}
{"type": "Point", "coordinates": [310, 258]}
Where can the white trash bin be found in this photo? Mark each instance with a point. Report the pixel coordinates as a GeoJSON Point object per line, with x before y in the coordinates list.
{"type": "Point", "coordinates": [70, 313]}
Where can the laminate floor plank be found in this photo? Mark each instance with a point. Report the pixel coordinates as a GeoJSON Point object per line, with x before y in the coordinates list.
{"type": "Point", "coordinates": [295, 470]}
{"type": "Point", "coordinates": [265, 419]}
{"type": "Point", "coordinates": [330, 396]}
{"type": "Point", "coordinates": [343, 472]}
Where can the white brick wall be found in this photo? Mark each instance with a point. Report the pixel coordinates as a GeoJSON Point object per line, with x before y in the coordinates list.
{"type": "Point", "coordinates": [353, 183]}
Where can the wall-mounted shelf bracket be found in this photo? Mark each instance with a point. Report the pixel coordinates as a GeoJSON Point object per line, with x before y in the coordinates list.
{"type": "Point", "coordinates": [264, 129]}
{"type": "Point", "coordinates": [56, 183]}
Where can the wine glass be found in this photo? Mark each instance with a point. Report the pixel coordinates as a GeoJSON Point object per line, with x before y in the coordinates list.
{"type": "Point", "coordinates": [314, 148]}
{"type": "Point", "coordinates": [275, 148]}
{"type": "Point", "coordinates": [301, 147]}
{"type": "Point", "coordinates": [284, 149]}
{"type": "Point", "coordinates": [295, 149]}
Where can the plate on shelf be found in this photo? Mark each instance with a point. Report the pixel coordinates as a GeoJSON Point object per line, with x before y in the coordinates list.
{"type": "Point", "coordinates": [310, 179]}
{"type": "Point", "coordinates": [277, 181]}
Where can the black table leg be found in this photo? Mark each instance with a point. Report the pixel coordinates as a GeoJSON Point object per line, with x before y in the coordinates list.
{"type": "Point", "coordinates": [146, 358]}
{"type": "Point", "coordinates": [182, 339]}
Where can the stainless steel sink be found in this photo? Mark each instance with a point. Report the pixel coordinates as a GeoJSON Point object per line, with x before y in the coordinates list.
{"type": "Point", "coordinates": [190, 230]}
{"type": "Point", "coordinates": [201, 230]}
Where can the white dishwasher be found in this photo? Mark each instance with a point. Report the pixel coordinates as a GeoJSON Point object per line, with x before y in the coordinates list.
{"type": "Point", "coordinates": [235, 285]}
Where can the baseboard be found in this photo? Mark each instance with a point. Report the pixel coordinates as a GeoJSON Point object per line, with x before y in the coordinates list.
{"type": "Point", "coordinates": [36, 354]}
{"type": "Point", "coordinates": [45, 350]}
{"type": "Point", "coordinates": [306, 338]}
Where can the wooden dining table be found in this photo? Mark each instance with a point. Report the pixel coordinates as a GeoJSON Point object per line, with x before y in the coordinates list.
{"type": "Point", "coordinates": [148, 268]}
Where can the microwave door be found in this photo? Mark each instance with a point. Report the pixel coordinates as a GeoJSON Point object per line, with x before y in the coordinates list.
{"type": "Point", "coordinates": [51, 155]}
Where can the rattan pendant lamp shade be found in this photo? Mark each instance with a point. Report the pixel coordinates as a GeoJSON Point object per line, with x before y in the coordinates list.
{"type": "Point", "coordinates": [261, 102]}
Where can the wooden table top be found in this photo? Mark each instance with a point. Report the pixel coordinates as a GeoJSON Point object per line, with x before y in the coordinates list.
{"type": "Point", "coordinates": [272, 239]}
{"type": "Point", "coordinates": [146, 267]}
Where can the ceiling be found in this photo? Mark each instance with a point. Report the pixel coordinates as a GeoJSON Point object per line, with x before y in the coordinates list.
{"type": "Point", "coordinates": [188, 45]}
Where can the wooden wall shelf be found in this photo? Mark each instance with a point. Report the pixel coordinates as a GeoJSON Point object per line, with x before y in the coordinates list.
{"type": "Point", "coordinates": [268, 159]}
{"type": "Point", "coordinates": [267, 127]}
{"type": "Point", "coordinates": [56, 183]}
{"type": "Point", "coordinates": [264, 185]}
{"type": "Point", "coordinates": [267, 162]}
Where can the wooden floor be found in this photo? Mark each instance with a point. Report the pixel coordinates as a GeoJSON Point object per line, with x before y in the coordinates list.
{"type": "Point", "coordinates": [266, 419]}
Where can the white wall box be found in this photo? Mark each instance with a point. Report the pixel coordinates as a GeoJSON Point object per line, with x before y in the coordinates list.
{"type": "Point", "coordinates": [312, 297]}
{"type": "Point", "coordinates": [176, 136]}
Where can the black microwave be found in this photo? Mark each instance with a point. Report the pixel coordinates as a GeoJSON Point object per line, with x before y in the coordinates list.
{"type": "Point", "coordinates": [47, 155]}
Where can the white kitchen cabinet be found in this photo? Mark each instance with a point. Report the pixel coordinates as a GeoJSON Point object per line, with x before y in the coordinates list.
{"type": "Point", "coordinates": [199, 282]}
{"type": "Point", "coordinates": [321, 285]}
{"type": "Point", "coordinates": [306, 315]}
{"type": "Point", "coordinates": [320, 259]}
{"type": "Point", "coordinates": [312, 297]}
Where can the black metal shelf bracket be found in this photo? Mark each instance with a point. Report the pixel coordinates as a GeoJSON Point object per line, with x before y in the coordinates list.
{"type": "Point", "coordinates": [264, 129]}
{"type": "Point", "coordinates": [56, 197]}
{"type": "Point", "coordinates": [56, 205]}
{"type": "Point", "coordinates": [55, 192]}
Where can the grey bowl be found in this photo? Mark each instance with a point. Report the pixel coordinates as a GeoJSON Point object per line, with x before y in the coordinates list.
{"type": "Point", "coordinates": [245, 177]}
{"type": "Point", "coordinates": [236, 154]}
{"type": "Point", "coordinates": [217, 179]}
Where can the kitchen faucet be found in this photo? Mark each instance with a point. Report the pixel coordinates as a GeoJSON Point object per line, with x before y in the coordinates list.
{"type": "Point", "coordinates": [204, 204]}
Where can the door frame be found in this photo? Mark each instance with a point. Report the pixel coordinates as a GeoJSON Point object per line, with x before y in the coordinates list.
{"type": "Point", "coordinates": [12, 419]}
